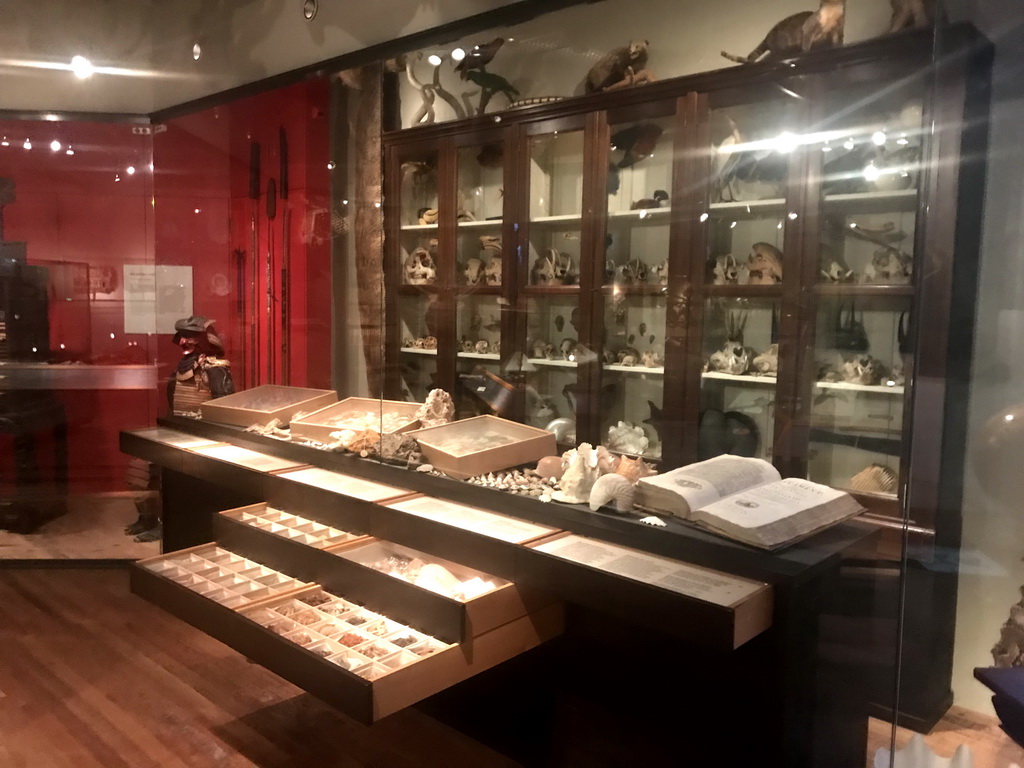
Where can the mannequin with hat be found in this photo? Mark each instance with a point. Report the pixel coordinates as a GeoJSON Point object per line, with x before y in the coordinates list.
{"type": "Point", "coordinates": [201, 374]}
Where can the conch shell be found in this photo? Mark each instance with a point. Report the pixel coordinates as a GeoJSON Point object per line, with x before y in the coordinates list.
{"type": "Point", "coordinates": [633, 469]}
{"type": "Point", "coordinates": [612, 488]}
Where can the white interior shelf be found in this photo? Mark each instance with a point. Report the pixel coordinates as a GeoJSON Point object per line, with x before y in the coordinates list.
{"type": "Point", "coordinates": [864, 202]}
{"type": "Point", "coordinates": [654, 371]}
{"type": "Point", "coordinates": [739, 379]}
{"type": "Point", "coordinates": [749, 208]}
{"type": "Point", "coordinates": [552, 363]}
{"type": "Point", "coordinates": [483, 224]}
{"type": "Point", "coordinates": [479, 355]}
{"type": "Point", "coordinates": [565, 218]}
{"type": "Point", "coordinates": [419, 351]}
{"type": "Point", "coordinates": [881, 389]}
{"type": "Point", "coordinates": [419, 227]}
{"type": "Point", "coordinates": [641, 216]}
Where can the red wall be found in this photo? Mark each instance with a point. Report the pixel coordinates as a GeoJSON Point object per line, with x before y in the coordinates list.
{"type": "Point", "coordinates": [203, 163]}
{"type": "Point", "coordinates": [193, 210]}
{"type": "Point", "coordinates": [73, 208]}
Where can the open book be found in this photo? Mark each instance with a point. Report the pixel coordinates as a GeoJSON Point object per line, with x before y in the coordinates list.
{"type": "Point", "coordinates": [747, 500]}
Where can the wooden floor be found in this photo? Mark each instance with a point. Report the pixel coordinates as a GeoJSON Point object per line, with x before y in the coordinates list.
{"type": "Point", "coordinates": [92, 676]}
{"type": "Point", "coordinates": [92, 528]}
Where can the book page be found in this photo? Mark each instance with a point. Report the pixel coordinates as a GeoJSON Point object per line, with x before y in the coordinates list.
{"type": "Point", "coordinates": [690, 580]}
{"type": "Point", "coordinates": [707, 481]}
{"type": "Point", "coordinates": [768, 504]}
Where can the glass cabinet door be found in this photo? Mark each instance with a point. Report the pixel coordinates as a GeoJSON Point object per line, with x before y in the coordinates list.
{"type": "Point", "coordinates": [419, 314]}
{"type": "Point", "coordinates": [634, 281]}
{"type": "Point", "coordinates": [746, 223]}
{"type": "Point", "coordinates": [870, 163]}
{"type": "Point", "coordinates": [481, 386]}
{"type": "Point", "coordinates": [552, 350]}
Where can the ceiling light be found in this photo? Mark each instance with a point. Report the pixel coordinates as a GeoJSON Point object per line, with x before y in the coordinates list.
{"type": "Point", "coordinates": [117, 177]}
{"type": "Point", "coordinates": [786, 142]}
{"type": "Point", "coordinates": [434, 60]}
{"type": "Point", "coordinates": [309, 9]}
{"type": "Point", "coordinates": [703, 217]}
{"type": "Point", "coordinates": [69, 150]}
{"type": "Point", "coordinates": [197, 51]}
{"type": "Point", "coordinates": [848, 144]}
{"type": "Point", "coordinates": [330, 165]}
{"type": "Point", "coordinates": [5, 142]}
{"type": "Point", "coordinates": [27, 144]}
{"type": "Point", "coordinates": [871, 172]}
{"type": "Point", "coordinates": [130, 170]}
{"type": "Point", "coordinates": [82, 67]}
{"type": "Point", "coordinates": [793, 215]}
{"type": "Point", "coordinates": [55, 146]}
{"type": "Point", "coordinates": [458, 54]}
{"type": "Point", "coordinates": [878, 137]}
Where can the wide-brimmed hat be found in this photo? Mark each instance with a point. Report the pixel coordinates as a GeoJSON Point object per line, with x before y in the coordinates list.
{"type": "Point", "coordinates": [197, 325]}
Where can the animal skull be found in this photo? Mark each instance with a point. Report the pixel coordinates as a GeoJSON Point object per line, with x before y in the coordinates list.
{"type": "Point", "coordinates": [765, 263]}
{"type": "Point", "coordinates": [419, 268]}
{"type": "Point", "coordinates": [492, 273]}
{"type": "Point", "coordinates": [474, 271]}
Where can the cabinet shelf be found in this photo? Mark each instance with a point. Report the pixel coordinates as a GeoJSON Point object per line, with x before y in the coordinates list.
{"type": "Point", "coordinates": [552, 290]}
{"type": "Point", "coordinates": [872, 202]}
{"type": "Point", "coordinates": [751, 209]}
{"type": "Point", "coordinates": [637, 369]}
{"type": "Point", "coordinates": [863, 290]}
{"type": "Point", "coordinates": [648, 289]}
{"type": "Point", "coordinates": [479, 356]}
{"type": "Point", "coordinates": [745, 291]}
{"type": "Point", "coordinates": [877, 389]}
{"type": "Point", "coordinates": [482, 224]}
{"type": "Point", "coordinates": [418, 351]}
{"type": "Point", "coordinates": [544, 362]}
{"type": "Point", "coordinates": [565, 218]}
{"type": "Point", "coordinates": [739, 379]}
{"type": "Point", "coordinates": [641, 216]}
{"type": "Point", "coordinates": [419, 227]}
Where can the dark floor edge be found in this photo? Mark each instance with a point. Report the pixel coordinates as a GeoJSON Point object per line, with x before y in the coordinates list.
{"type": "Point", "coordinates": [68, 563]}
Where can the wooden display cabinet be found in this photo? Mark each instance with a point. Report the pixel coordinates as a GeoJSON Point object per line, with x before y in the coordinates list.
{"type": "Point", "coordinates": [758, 260]}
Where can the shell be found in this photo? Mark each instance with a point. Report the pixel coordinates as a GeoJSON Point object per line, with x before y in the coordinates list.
{"type": "Point", "coordinates": [550, 466]}
{"type": "Point", "coordinates": [633, 469]}
{"type": "Point", "coordinates": [876, 478]}
{"type": "Point", "coordinates": [612, 488]}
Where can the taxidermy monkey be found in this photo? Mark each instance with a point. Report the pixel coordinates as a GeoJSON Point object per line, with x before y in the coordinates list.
{"type": "Point", "coordinates": [910, 13]}
{"type": "Point", "coordinates": [801, 32]}
{"type": "Point", "coordinates": [617, 65]}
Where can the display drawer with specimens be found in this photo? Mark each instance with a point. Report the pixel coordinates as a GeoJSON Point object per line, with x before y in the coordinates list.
{"type": "Point", "coordinates": [264, 404]}
{"type": "Point", "coordinates": [366, 662]}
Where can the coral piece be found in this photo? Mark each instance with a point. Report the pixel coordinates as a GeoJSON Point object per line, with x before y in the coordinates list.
{"type": "Point", "coordinates": [624, 437]}
{"type": "Point", "coordinates": [612, 489]}
{"type": "Point", "coordinates": [437, 409]}
{"type": "Point", "coordinates": [365, 443]}
{"type": "Point", "coordinates": [580, 475]}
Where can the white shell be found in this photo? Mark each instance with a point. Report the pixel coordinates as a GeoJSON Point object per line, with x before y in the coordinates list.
{"type": "Point", "coordinates": [609, 488]}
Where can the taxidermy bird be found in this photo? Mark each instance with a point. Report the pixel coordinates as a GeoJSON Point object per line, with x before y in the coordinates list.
{"type": "Point", "coordinates": [800, 33]}
{"type": "Point", "coordinates": [635, 142]}
{"type": "Point", "coordinates": [479, 57]}
{"type": "Point", "coordinates": [616, 65]}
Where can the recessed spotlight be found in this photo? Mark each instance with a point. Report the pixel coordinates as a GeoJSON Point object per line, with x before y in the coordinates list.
{"type": "Point", "coordinates": [704, 217]}
{"type": "Point", "coordinates": [309, 9]}
{"type": "Point", "coordinates": [55, 146]}
{"type": "Point", "coordinates": [197, 51]}
{"type": "Point", "coordinates": [111, 335]}
{"type": "Point", "coordinates": [434, 60]}
{"type": "Point", "coordinates": [27, 144]}
{"type": "Point", "coordinates": [130, 170]}
{"type": "Point", "coordinates": [848, 144]}
{"type": "Point", "coordinates": [330, 165]}
{"type": "Point", "coordinates": [458, 54]}
{"type": "Point", "coordinates": [793, 215]}
{"type": "Point", "coordinates": [69, 150]}
{"type": "Point", "coordinates": [871, 172]}
{"type": "Point", "coordinates": [878, 137]}
{"type": "Point", "coordinates": [117, 177]}
{"type": "Point", "coordinates": [82, 67]}
{"type": "Point", "coordinates": [197, 210]}
{"type": "Point", "coordinates": [5, 142]}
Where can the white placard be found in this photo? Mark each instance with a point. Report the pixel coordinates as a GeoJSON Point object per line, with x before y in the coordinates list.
{"type": "Point", "coordinates": [243, 457]}
{"type": "Point", "coordinates": [690, 580]}
{"type": "Point", "coordinates": [345, 484]}
{"type": "Point", "coordinates": [155, 296]}
{"type": "Point", "coordinates": [473, 519]}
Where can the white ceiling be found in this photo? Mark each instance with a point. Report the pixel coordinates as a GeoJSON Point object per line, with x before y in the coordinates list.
{"type": "Point", "coordinates": [150, 42]}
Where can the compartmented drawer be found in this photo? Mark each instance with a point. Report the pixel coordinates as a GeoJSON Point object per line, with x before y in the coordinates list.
{"type": "Point", "coordinates": [345, 652]}
{"type": "Point", "coordinates": [441, 597]}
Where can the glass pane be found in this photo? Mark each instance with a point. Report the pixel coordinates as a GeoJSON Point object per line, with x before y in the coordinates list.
{"type": "Point", "coordinates": [747, 203]}
{"type": "Point", "coordinates": [419, 305]}
{"type": "Point", "coordinates": [870, 159]}
{"type": "Point", "coordinates": [737, 408]}
{"type": "Point", "coordinates": [553, 347]}
{"type": "Point", "coordinates": [635, 276]}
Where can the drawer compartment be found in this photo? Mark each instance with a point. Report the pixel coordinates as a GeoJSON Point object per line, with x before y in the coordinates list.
{"type": "Point", "coordinates": [360, 661]}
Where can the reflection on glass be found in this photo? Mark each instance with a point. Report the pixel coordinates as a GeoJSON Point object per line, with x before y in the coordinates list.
{"type": "Point", "coordinates": [741, 352]}
{"type": "Point", "coordinates": [418, 317]}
